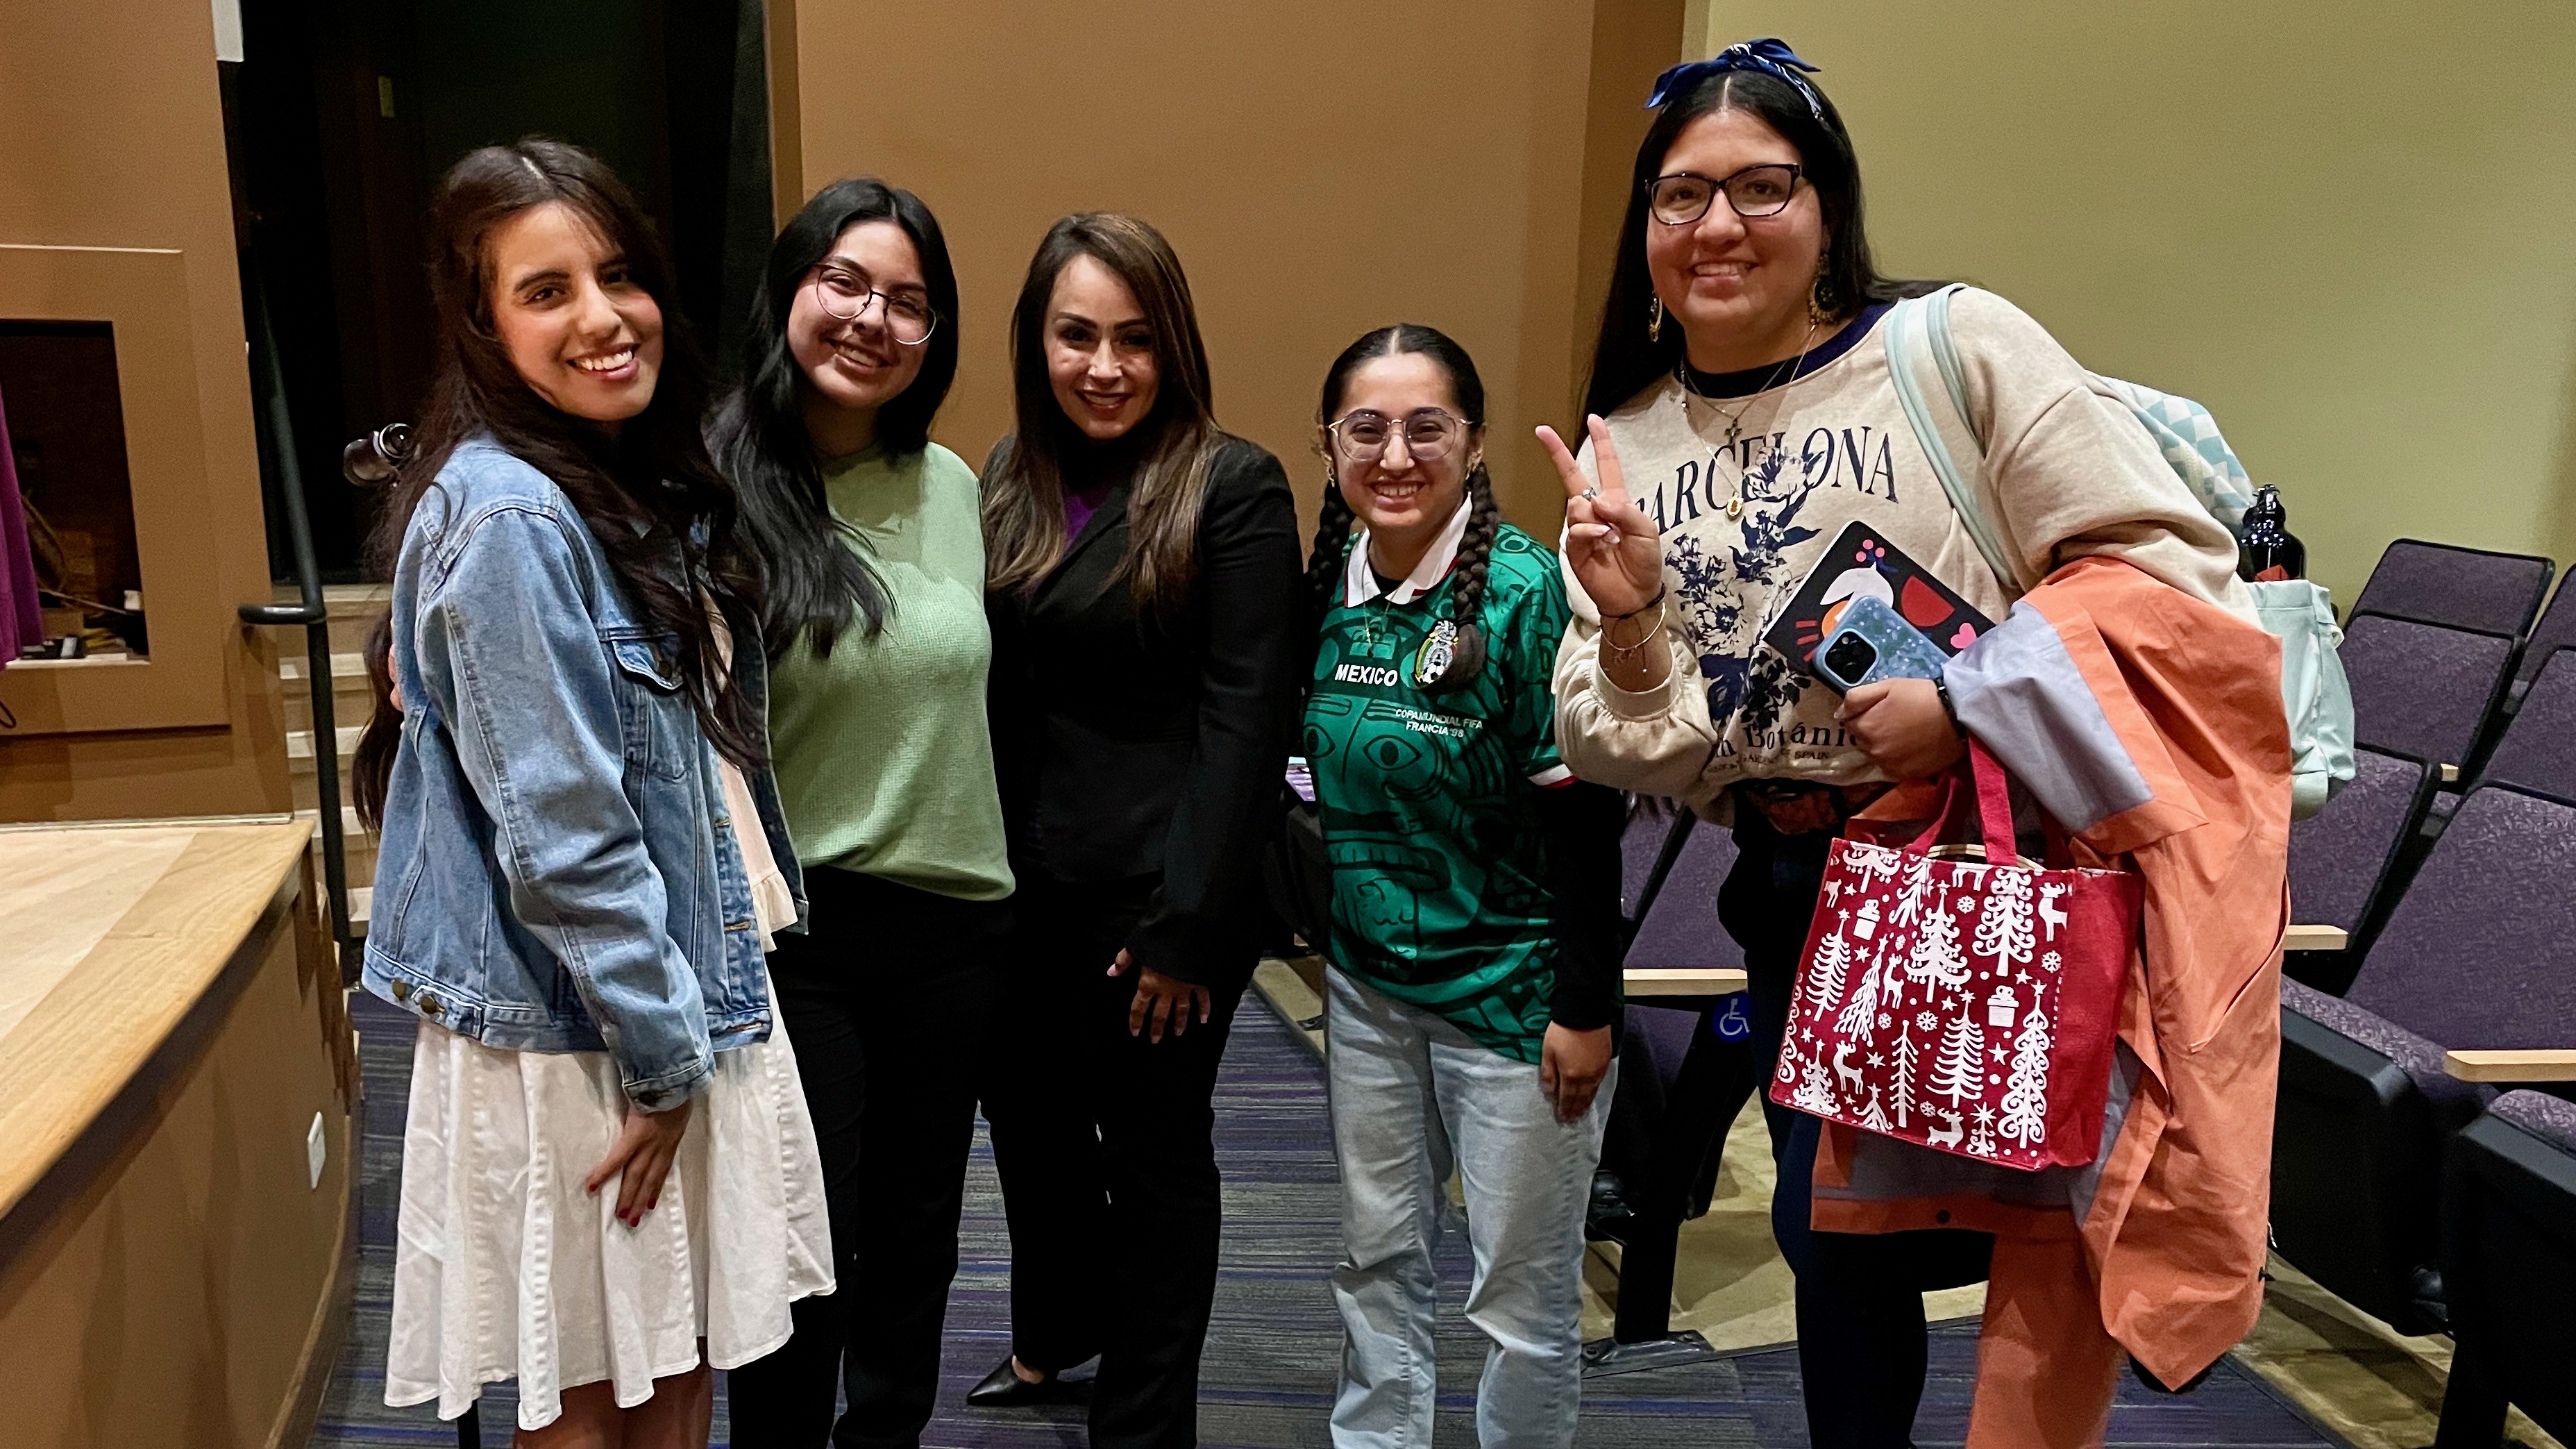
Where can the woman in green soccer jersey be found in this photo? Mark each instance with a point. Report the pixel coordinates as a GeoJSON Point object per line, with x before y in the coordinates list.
{"type": "Point", "coordinates": [1475, 904]}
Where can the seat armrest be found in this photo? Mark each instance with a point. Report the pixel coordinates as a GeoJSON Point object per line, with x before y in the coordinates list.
{"type": "Point", "coordinates": [2554, 1064]}
{"type": "Point", "coordinates": [1683, 980]}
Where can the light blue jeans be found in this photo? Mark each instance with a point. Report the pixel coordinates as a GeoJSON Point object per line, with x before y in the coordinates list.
{"type": "Point", "coordinates": [1413, 1098]}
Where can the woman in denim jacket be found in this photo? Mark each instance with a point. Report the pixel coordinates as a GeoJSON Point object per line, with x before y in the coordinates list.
{"type": "Point", "coordinates": [610, 1181]}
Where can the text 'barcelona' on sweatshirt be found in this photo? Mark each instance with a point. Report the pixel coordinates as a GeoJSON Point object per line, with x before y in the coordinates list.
{"type": "Point", "coordinates": [2069, 474]}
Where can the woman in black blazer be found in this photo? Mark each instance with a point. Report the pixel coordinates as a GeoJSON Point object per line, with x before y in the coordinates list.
{"type": "Point", "coordinates": [1149, 640]}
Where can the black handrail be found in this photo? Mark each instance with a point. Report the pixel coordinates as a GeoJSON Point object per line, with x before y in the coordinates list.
{"type": "Point", "coordinates": [313, 614]}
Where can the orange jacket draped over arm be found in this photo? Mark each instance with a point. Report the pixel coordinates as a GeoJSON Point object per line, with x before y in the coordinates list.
{"type": "Point", "coordinates": [2149, 723]}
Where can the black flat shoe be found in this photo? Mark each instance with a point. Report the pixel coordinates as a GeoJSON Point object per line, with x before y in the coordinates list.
{"type": "Point", "coordinates": [1004, 1389]}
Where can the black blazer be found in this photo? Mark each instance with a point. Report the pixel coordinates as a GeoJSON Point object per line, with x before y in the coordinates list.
{"type": "Point", "coordinates": [1130, 746]}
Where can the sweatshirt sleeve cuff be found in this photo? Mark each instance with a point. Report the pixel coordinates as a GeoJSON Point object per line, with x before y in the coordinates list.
{"type": "Point", "coordinates": [1645, 704]}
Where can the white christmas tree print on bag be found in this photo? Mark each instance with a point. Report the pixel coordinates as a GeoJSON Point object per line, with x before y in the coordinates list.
{"type": "Point", "coordinates": [1814, 1095]}
{"type": "Point", "coordinates": [1824, 983]}
{"type": "Point", "coordinates": [1859, 1018]}
{"type": "Point", "coordinates": [1936, 961]}
{"type": "Point", "coordinates": [1962, 1004]}
{"type": "Point", "coordinates": [2003, 932]}
{"type": "Point", "coordinates": [2025, 1106]}
{"type": "Point", "coordinates": [1960, 1072]}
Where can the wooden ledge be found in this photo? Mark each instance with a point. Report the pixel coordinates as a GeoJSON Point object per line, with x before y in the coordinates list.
{"type": "Point", "coordinates": [2546, 1065]}
{"type": "Point", "coordinates": [2315, 938]}
{"type": "Point", "coordinates": [1683, 980]}
{"type": "Point", "coordinates": [95, 999]}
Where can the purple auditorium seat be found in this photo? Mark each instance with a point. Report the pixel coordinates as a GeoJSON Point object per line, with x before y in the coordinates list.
{"type": "Point", "coordinates": [2509, 1269]}
{"type": "Point", "coordinates": [2555, 631]}
{"type": "Point", "coordinates": [1681, 927]}
{"type": "Point", "coordinates": [1652, 822]}
{"type": "Point", "coordinates": [1682, 1081]}
{"type": "Point", "coordinates": [2460, 588]}
{"type": "Point", "coordinates": [2422, 690]}
{"type": "Point", "coordinates": [2481, 953]}
{"type": "Point", "coordinates": [2551, 1119]}
{"type": "Point", "coordinates": [2538, 751]}
{"type": "Point", "coordinates": [2341, 858]}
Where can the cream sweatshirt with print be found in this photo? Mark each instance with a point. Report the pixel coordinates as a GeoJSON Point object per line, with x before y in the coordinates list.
{"type": "Point", "coordinates": [2069, 473]}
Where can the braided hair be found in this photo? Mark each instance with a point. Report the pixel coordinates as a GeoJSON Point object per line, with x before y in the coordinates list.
{"type": "Point", "coordinates": [1331, 551]}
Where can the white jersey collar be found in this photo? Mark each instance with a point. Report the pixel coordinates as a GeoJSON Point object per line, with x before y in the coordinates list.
{"type": "Point", "coordinates": [1359, 581]}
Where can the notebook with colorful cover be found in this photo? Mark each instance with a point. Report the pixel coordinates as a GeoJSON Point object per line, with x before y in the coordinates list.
{"type": "Point", "coordinates": [1862, 562]}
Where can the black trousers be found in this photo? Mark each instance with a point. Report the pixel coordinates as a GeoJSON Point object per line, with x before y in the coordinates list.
{"type": "Point", "coordinates": [890, 1001]}
{"type": "Point", "coordinates": [1104, 1142]}
{"type": "Point", "coordinates": [1861, 1334]}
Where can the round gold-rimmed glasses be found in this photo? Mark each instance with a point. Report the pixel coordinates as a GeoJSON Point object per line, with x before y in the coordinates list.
{"type": "Point", "coordinates": [1429, 434]}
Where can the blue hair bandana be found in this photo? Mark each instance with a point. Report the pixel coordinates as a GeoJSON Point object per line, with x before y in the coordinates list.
{"type": "Point", "coordinates": [1770, 55]}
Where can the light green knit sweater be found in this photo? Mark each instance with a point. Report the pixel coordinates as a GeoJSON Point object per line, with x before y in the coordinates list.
{"type": "Point", "coordinates": [884, 755]}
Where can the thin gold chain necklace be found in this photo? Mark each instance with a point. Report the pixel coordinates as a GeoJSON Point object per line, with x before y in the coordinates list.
{"type": "Point", "coordinates": [1780, 372]}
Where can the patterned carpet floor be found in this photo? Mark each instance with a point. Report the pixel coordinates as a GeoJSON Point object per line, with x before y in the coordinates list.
{"type": "Point", "coordinates": [1272, 1348]}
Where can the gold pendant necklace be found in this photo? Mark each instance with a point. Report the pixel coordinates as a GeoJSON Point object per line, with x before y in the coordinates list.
{"type": "Point", "coordinates": [1735, 419]}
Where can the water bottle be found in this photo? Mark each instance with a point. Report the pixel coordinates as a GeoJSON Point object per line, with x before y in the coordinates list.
{"type": "Point", "coordinates": [2267, 550]}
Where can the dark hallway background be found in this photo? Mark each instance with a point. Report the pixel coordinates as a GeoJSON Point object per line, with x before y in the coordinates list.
{"type": "Point", "coordinates": [340, 118]}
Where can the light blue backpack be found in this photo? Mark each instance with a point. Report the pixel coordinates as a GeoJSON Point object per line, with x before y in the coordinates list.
{"type": "Point", "coordinates": [2314, 694]}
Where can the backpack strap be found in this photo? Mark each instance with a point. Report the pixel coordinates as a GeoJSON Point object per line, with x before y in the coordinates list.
{"type": "Point", "coordinates": [1923, 361]}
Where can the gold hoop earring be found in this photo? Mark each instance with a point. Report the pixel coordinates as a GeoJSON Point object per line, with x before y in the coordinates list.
{"type": "Point", "coordinates": [1655, 320]}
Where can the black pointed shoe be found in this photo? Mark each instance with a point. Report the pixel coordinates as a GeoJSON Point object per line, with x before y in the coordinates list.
{"type": "Point", "coordinates": [1005, 1389]}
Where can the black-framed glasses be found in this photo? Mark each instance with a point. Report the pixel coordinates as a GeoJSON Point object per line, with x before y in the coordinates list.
{"type": "Point", "coordinates": [1429, 434]}
{"type": "Point", "coordinates": [1685, 196]}
{"type": "Point", "coordinates": [845, 294]}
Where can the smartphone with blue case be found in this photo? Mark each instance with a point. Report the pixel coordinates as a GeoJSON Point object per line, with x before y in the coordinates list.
{"type": "Point", "coordinates": [1871, 642]}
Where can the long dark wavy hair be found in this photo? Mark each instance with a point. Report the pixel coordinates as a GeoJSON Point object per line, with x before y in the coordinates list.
{"type": "Point", "coordinates": [1326, 560]}
{"type": "Point", "coordinates": [815, 572]}
{"type": "Point", "coordinates": [1625, 359]}
{"type": "Point", "coordinates": [1024, 534]}
{"type": "Point", "coordinates": [649, 493]}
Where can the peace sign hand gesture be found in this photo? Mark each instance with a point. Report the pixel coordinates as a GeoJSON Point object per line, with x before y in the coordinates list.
{"type": "Point", "coordinates": [1613, 549]}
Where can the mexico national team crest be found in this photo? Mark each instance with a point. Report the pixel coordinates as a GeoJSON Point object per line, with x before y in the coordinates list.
{"type": "Point", "coordinates": [1439, 650]}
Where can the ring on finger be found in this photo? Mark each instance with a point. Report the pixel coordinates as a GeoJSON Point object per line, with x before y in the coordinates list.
{"type": "Point", "coordinates": [1592, 494]}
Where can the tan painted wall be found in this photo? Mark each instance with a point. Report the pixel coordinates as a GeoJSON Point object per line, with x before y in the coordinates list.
{"type": "Point", "coordinates": [1322, 168]}
{"type": "Point", "coordinates": [2346, 228]}
{"type": "Point", "coordinates": [111, 136]}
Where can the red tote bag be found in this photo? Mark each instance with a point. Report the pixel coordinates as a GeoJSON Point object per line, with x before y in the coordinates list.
{"type": "Point", "coordinates": [1961, 1002]}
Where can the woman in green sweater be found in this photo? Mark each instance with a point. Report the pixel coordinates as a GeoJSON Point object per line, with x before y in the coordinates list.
{"type": "Point", "coordinates": [873, 557]}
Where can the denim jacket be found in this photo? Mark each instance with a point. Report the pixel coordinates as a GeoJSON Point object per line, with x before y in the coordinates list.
{"type": "Point", "coordinates": [552, 874]}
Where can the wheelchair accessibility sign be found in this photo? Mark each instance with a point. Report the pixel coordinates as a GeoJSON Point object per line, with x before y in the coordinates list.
{"type": "Point", "coordinates": [1729, 1018]}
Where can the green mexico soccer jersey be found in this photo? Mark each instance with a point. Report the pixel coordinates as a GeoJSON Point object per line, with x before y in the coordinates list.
{"type": "Point", "coordinates": [1427, 801]}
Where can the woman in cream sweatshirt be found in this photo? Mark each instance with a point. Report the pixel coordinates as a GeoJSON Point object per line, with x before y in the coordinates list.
{"type": "Point", "coordinates": [1743, 415]}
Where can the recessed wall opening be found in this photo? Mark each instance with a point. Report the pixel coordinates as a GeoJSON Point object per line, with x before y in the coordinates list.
{"type": "Point", "coordinates": [66, 428]}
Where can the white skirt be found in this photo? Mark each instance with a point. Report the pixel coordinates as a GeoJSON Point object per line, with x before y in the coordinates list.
{"type": "Point", "coordinates": [504, 1267]}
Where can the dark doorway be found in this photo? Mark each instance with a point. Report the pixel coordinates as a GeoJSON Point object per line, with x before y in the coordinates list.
{"type": "Point", "coordinates": [341, 118]}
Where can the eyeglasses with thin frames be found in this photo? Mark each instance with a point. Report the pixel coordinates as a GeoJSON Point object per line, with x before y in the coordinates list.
{"type": "Point", "coordinates": [845, 294]}
{"type": "Point", "coordinates": [1683, 197]}
{"type": "Point", "coordinates": [1429, 434]}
